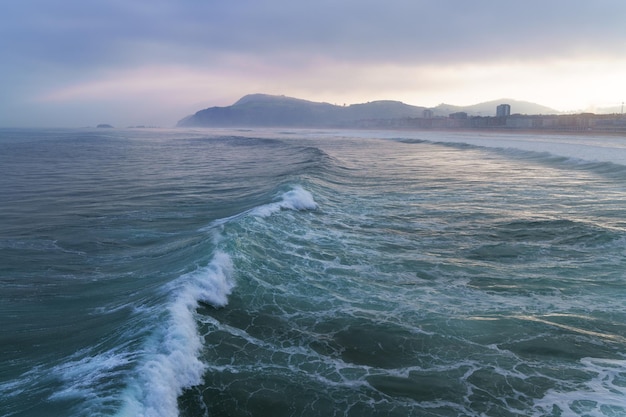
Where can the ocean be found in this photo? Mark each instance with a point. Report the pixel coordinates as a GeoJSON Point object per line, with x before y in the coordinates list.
{"type": "Point", "coordinates": [273, 272]}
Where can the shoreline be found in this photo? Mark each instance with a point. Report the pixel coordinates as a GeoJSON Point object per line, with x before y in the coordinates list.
{"type": "Point", "coordinates": [620, 133]}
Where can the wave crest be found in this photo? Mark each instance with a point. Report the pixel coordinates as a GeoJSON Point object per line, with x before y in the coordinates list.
{"type": "Point", "coordinates": [295, 199]}
{"type": "Point", "coordinates": [172, 356]}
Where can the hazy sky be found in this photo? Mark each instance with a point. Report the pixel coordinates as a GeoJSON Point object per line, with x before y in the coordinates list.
{"type": "Point", "coordinates": [128, 62]}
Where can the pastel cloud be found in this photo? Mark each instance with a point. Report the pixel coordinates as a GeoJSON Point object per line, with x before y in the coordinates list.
{"type": "Point", "coordinates": [565, 54]}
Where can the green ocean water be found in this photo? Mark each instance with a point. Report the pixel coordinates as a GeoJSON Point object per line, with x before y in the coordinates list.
{"type": "Point", "coordinates": [148, 272]}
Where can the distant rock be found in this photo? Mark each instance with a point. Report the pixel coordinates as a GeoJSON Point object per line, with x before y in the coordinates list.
{"type": "Point", "coordinates": [104, 126]}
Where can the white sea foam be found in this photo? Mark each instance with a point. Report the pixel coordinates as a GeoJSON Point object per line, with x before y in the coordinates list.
{"type": "Point", "coordinates": [601, 396]}
{"type": "Point", "coordinates": [295, 199]}
{"type": "Point", "coordinates": [90, 379]}
{"type": "Point", "coordinates": [171, 361]}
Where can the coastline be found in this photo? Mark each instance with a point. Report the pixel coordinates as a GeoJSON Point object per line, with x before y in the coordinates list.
{"type": "Point", "coordinates": [620, 133]}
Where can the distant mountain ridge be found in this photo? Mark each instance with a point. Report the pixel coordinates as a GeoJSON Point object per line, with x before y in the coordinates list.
{"type": "Point", "coordinates": [488, 108]}
{"type": "Point", "coordinates": [275, 111]}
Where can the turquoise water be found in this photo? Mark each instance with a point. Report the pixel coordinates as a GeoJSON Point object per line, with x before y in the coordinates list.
{"type": "Point", "coordinates": [311, 273]}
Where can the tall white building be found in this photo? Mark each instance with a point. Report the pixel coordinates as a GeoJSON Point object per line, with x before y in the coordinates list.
{"type": "Point", "coordinates": [503, 110]}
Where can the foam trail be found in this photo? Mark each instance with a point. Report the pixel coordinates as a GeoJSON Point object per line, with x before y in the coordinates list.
{"type": "Point", "coordinates": [602, 396]}
{"type": "Point", "coordinates": [172, 357]}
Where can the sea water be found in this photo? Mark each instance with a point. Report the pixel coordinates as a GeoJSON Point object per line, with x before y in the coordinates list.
{"type": "Point", "coordinates": [148, 272]}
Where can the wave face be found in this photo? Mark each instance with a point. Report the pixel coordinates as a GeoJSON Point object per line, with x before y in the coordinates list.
{"type": "Point", "coordinates": [172, 360]}
{"type": "Point", "coordinates": [311, 273]}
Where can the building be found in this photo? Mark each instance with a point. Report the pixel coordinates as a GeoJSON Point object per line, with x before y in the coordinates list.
{"type": "Point", "coordinates": [461, 115]}
{"type": "Point", "coordinates": [503, 110]}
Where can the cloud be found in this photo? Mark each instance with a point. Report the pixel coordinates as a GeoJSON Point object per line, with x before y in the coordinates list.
{"type": "Point", "coordinates": [99, 51]}
{"type": "Point", "coordinates": [116, 32]}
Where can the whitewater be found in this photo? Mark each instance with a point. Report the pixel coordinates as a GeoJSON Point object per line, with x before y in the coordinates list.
{"type": "Point", "coordinates": [156, 272]}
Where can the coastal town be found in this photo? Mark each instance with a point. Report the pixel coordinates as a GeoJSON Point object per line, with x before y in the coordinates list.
{"type": "Point", "coordinates": [504, 120]}
{"type": "Point", "coordinates": [264, 110]}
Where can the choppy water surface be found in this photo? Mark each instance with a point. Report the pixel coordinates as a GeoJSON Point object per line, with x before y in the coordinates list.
{"type": "Point", "coordinates": [311, 273]}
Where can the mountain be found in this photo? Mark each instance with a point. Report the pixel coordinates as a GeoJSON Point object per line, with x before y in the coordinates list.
{"type": "Point", "coordinates": [269, 110]}
{"type": "Point", "coordinates": [488, 108]}
{"type": "Point", "coordinates": [608, 110]}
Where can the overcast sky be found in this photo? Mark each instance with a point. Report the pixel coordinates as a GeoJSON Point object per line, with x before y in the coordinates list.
{"type": "Point", "coordinates": [72, 63]}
